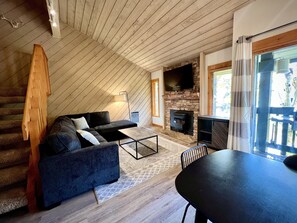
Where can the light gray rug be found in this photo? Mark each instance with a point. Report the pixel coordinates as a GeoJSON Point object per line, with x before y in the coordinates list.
{"type": "Point", "coordinates": [134, 172]}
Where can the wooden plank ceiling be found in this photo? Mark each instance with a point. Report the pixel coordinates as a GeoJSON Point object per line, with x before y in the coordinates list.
{"type": "Point", "coordinates": [154, 33]}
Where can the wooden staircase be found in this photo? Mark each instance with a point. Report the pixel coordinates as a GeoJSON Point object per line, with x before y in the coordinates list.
{"type": "Point", "coordinates": [14, 151]}
{"type": "Point", "coordinates": [23, 123]}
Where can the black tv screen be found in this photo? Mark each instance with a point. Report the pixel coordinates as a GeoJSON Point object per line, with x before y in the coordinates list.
{"type": "Point", "coordinates": [179, 78]}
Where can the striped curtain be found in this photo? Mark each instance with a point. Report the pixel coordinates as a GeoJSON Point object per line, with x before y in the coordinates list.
{"type": "Point", "coordinates": [240, 114]}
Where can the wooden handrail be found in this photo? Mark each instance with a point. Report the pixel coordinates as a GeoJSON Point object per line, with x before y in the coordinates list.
{"type": "Point", "coordinates": [34, 122]}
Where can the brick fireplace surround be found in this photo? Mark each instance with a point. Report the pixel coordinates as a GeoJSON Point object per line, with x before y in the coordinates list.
{"type": "Point", "coordinates": [184, 100]}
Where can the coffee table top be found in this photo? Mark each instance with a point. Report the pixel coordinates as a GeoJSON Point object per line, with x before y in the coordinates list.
{"type": "Point", "coordinates": [138, 133]}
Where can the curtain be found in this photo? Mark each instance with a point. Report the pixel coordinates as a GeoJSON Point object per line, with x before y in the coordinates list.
{"type": "Point", "coordinates": [240, 114]}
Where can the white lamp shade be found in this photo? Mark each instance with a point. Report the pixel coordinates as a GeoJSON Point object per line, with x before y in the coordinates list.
{"type": "Point", "coordinates": [120, 98]}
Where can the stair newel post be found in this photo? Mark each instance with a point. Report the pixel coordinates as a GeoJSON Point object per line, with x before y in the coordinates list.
{"type": "Point", "coordinates": [33, 184]}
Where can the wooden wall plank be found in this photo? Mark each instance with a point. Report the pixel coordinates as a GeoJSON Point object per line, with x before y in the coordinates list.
{"type": "Point", "coordinates": [96, 12]}
{"type": "Point", "coordinates": [130, 22]}
{"type": "Point", "coordinates": [144, 21]}
{"type": "Point", "coordinates": [194, 31]}
{"type": "Point", "coordinates": [8, 6]}
{"type": "Point", "coordinates": [89, 5]}
{"type": "Point", "coordinates": [139, 29]}
{"type": "Point", "coordinates": [113, 16]}
{"type": "Point", "coordinates": [199, 19]}
{"type": "Point", "coordinates": [191, 39]}
{"type": "Point", "coordinates": [195, 43]}
{"type": "Point", "coordinates": [79, 11]}
{"type": "Point", "coordinates": [123, 16]}
{"type": "Point", "coordinates": [163, 19]}
{"type": "Point", "coordinates": [63, 11]}
{"type": "Point", "coordinates": [192, 53]}
{"type": "Point", "coordinates": [8, 30]}
{"type": "Point", "coordinates": [84, 74]}
{"type": "Point", "coordinates": [108, 6]}
{"type": "Point", "coordinates": [71, 12]}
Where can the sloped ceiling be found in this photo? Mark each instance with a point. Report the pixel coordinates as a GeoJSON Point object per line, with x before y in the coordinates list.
{"type": "Point", "coordinates": [154, 33]}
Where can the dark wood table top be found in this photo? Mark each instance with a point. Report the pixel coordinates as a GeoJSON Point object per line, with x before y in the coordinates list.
{"type": "Point", "coordinates": [232, 186]}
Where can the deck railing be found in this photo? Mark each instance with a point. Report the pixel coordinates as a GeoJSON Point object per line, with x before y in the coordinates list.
{"type": "Point", "coordinates": [282, 128]}
{"type": "Point", "coordinates": [34, 122]}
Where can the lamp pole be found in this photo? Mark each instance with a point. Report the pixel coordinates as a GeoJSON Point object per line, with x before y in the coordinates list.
{"type": "Point", "coordinates": [127, 98]}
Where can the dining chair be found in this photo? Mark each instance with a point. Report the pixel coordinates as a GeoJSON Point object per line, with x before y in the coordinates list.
{"type": "Point", "coordinates": [189, 156]}
{"type": "Point", "coordinates": [291, 162]}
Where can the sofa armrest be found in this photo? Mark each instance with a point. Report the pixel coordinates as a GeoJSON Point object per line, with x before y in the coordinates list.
{"type": "Point", "coordinates": [71, 173]}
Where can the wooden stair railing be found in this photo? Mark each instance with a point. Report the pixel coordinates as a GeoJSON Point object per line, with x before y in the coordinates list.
{"type": "Point", "coordinates": [34, 122]}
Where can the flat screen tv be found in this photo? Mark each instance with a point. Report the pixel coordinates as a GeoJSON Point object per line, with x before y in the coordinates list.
{"type": "Point", "coordinates": [179, 78]}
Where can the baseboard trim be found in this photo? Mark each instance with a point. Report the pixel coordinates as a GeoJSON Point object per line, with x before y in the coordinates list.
{"type": "Point", "coordinates": [153, 124]}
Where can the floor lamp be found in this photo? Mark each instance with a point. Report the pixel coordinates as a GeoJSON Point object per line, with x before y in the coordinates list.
{"type": "Point", "coordinates": [123, 97]}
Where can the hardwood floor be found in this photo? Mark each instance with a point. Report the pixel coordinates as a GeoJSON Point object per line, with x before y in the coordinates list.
{"type": "Point", "coordinates": [155, 200]}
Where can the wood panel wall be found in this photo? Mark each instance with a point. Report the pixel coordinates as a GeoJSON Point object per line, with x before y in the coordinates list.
{"type": "Point", "coordinates": [84, 74]}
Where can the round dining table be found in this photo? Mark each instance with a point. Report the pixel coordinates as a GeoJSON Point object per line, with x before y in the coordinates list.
{"type": "Point", "coordinates": [233, 186]}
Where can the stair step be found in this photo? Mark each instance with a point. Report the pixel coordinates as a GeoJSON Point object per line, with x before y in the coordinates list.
{"type": "Point", "coordinates": [13, 91]}
{"type": "Point", "coordinates": [10, 124]}
{"type": "Point", "coordinates": [13, 175]}
{"type": "Point", "coordinates": [10, 139]}
{"type": "Point", "coordinates": [11, 111]}
{"type": "Point", "coordinates": [12, 157]}
{"type": "Point", "coordinates": [12, 99]}
{"type": "Point", "coordinates": [12, 199]}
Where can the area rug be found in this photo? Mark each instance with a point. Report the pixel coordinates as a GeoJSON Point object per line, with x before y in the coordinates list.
{"type": "Point", "coordinates": [134, 172]}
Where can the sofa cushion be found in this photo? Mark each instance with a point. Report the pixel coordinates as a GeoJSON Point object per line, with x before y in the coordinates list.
{"type": "Point", "coordinates": [86, 138]}
{"type": "Point", "coordinates": [63, 123]}
{"type": "Point", "coordinates": [62, 137]}
{"type": "Point", "coordinates": [80, 123]}
{"type": "Point", "coordinates": [114, 126]}
{"type": "Point", "coordinates": [99, 118]}
{"type": "Point", "coordinates": [62, 142]}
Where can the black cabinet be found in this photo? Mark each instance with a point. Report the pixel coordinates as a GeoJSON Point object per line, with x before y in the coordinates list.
{"type": "Point", "coordinates": [213, 131]}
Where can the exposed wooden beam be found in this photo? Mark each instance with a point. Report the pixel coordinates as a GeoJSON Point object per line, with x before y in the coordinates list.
{"type": "Point", "coordinates": [53, 13]}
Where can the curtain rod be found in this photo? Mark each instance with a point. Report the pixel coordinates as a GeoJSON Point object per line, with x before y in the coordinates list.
{"type": "Point", "coordinates": [258, 34]}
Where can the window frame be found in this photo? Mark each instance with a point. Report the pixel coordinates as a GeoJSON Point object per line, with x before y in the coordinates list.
{"type": "Point", "coordinates": [153, 83]}
{"type": "Point", "coordinates": [211, 69]}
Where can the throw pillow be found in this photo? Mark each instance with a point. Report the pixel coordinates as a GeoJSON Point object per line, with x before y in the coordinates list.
{"type": "Point", "coordinates": [87, 138]}
{"type": "Point", "coordinates": [291, 162]}
{"type": "Point", "coordinates": [80, 123]}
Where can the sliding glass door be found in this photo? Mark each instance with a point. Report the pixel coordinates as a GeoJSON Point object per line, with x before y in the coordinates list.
{"type": "Point", "coordinates": [275, 100]}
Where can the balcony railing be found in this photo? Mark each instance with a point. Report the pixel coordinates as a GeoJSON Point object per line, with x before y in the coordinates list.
{"type": "Point", "coordinates": [281, 131]}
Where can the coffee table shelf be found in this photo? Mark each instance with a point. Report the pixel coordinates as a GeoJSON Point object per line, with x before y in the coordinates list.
{"type": "Point", "coordinates": [137, 135]}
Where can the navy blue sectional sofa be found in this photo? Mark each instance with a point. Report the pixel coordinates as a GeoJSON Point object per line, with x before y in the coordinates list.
{"type": "Point", "coordinates": [67, 168]}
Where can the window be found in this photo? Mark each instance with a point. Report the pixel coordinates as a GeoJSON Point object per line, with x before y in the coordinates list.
{"type": "Point", "coordinates": [219, 89]}
{"type": "Point", "coordinates": [275, 101]}
{"type": "Point", "coordinates": [155, 98]}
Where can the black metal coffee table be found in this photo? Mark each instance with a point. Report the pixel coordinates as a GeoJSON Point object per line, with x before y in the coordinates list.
{"type": "Point", "coordinates": [138, 135]}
